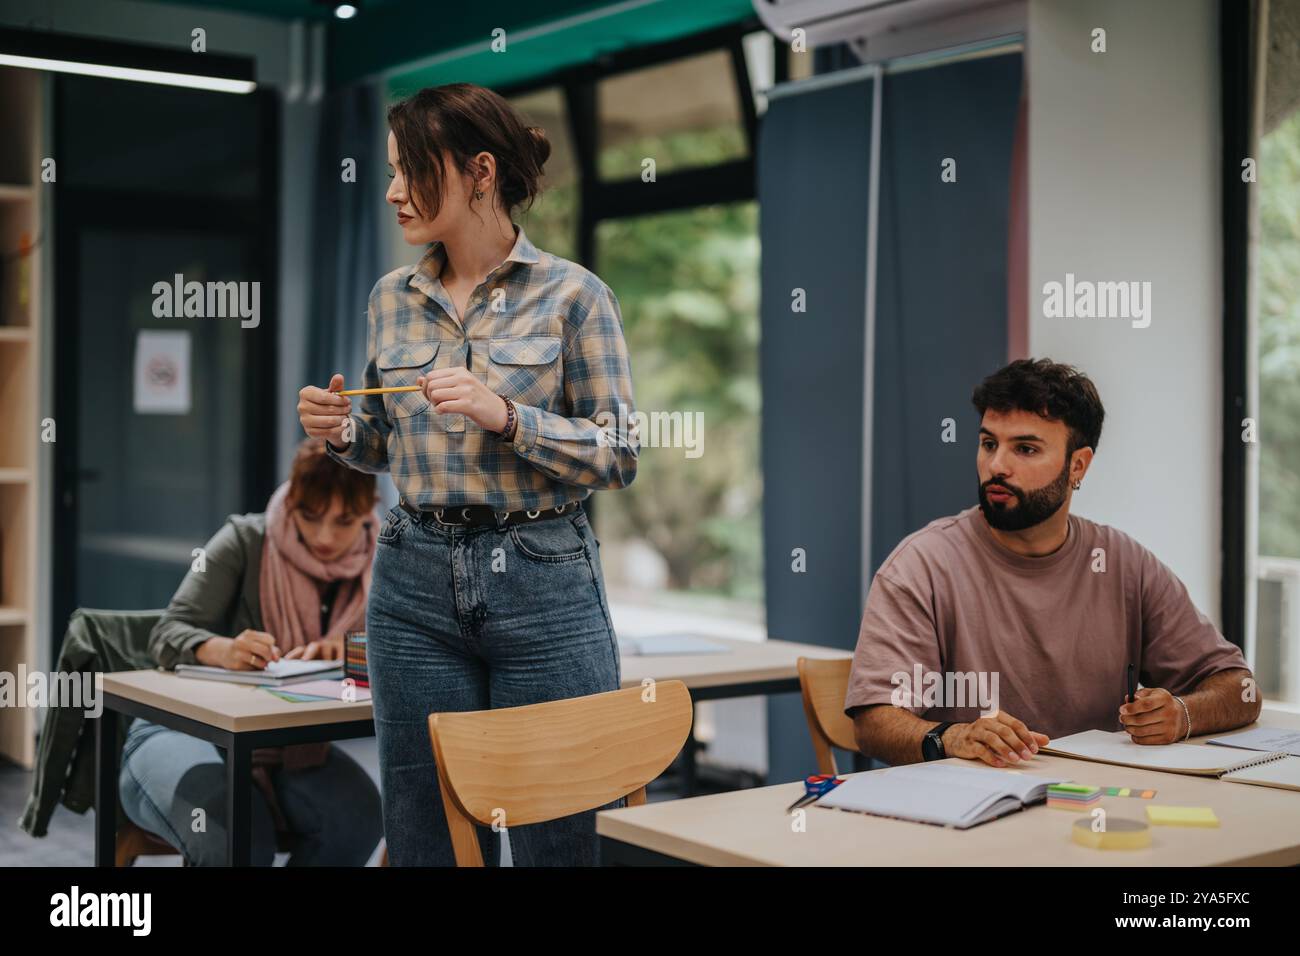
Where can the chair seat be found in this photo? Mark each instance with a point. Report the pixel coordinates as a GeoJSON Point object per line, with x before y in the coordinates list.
{"type": "Point", "coordinates": [134, 842]}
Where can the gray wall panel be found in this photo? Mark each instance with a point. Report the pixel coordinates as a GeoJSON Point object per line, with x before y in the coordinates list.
{"type": "Point", "coordinates": [812, 180]}
{"type": "Point", "coordinates": [941, 297]}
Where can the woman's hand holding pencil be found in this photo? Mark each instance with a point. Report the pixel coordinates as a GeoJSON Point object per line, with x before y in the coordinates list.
{"type": "Point", "coordinates": [325, 413]}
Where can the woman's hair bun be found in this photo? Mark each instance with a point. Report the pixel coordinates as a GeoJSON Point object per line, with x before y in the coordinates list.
{"type": "Point", "coordinates": [541, 145]}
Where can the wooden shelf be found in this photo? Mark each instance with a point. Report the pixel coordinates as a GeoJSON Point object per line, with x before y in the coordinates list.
{"type": "Point", "coordinates": [22, 320]}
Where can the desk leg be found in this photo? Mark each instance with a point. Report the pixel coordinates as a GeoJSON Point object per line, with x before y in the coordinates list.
{"type": "Point", "coordinates": [689, 775]}
{"type": "Point", "coordinates": [239, 802]}
{"type": "Point", "coordinates": [106, 772]}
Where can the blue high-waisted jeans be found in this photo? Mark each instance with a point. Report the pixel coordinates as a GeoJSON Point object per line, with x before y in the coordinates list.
{"type": "Point", "coordinates": [472, 618]}
{"type": "Point", "coordinates": [166, 775]}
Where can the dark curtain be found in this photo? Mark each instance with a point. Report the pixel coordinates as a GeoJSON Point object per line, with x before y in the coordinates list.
{"type": "Point", "coordinates": [814, 153]}
{"type": "Point", "coordinates": [345, 234]}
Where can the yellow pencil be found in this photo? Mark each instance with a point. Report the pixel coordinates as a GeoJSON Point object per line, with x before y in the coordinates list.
{"type": "Point", "coordinates": [378, 391]}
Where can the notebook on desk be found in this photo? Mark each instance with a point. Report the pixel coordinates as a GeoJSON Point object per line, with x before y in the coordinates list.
{"type": "Point", "coordinates": [1239, 766]}
{"type": "Point", "coordinates": [277, 673]}
{"type": "Point", "coordinates": [1272, 739]}
{"type": "Point", "coordinates": [942, 794]}
{"type": "Point", "coordinates": [667, 645]}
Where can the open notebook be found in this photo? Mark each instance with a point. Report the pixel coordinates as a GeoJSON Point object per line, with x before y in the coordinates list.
{"type": "Point", "coordinates": [943, 794]}
{"type": "Point", "coordinates": [1263, 769]}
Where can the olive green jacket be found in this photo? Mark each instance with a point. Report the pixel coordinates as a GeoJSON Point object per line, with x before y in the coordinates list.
{"type": "Point", "coordinates": [220, 600]}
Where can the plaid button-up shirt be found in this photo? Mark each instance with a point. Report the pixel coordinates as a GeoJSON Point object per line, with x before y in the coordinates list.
{"type": "Point", "coordinates": [540, 330]}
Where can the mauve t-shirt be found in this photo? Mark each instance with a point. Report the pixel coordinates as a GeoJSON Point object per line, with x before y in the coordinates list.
{"type": "Point", "coordinates": [1058, 631]}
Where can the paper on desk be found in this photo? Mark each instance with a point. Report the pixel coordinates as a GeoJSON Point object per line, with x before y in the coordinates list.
{"type": "Point", "coordinates": [1276, 739]}
{"type": "Point", "coordinates": [327, 690]}
{"type": "Point", "coordinates": [1119, 748]}
{"type": "Point", "coordinates": [657, 645]}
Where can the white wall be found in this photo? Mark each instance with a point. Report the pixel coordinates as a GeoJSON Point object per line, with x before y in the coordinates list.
{"type": "Point", "coordinates": [1124, 185]}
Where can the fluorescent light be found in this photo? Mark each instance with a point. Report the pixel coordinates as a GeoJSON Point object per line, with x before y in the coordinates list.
{"type": "Point", "coordinates": [345, 11]}
{"type": "Point", "coordinates": [193, 80]}
{"type": "Point", "coordinates": [112, 59]}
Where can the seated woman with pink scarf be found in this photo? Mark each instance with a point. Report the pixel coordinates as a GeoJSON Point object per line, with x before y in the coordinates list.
{"type": "Point", "coordinates": [286, 583]}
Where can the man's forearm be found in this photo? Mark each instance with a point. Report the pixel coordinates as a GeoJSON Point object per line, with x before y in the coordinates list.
{"type": "Point", "coordinates": [1220, 702]}
{"type": "Point", "coordinates": [889, 733]}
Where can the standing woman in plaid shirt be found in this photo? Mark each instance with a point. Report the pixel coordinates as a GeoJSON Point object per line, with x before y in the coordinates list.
{"type": "Point", "coordinates": [487, 588]}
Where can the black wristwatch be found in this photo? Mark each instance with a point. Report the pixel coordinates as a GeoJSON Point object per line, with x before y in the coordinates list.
{"type": "Point", "coordinates": [932, 742]}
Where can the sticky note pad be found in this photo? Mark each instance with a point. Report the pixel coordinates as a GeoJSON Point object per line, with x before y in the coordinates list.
{"type": "Point", "coordinates": [1182, 816]}
{"type": "Point", "coordinates": [1072, 796]}
{"type": "Point", "coordinates": [1128, 792]}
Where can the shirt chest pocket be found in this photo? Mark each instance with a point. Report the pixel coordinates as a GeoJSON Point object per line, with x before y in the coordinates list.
{"type": "Point", "coordinates": [526, 369]}
{"type": "Point", "coordinates": [399, 366]}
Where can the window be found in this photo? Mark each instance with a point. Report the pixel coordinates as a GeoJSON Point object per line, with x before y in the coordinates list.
{"type": "Point", "coordinates": [552, 222]}
{"type": "Point", "coordinates": [1276, 647]}
{"type": "Point", "coordinates": [687, 284]}
{"type": "Point", "coordinates": [682, 114]}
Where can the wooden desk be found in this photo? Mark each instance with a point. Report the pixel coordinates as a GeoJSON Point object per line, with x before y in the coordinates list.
{"type": "Point", "coordinates": [235, 717]}
{"type": "Point", "coordinates": [1259, 826]}
{"type": "Point", "coordinates": [240, 719]}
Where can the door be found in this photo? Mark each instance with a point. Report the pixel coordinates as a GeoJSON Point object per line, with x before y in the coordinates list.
{"type": "Point", "coordinates": [164, 406]}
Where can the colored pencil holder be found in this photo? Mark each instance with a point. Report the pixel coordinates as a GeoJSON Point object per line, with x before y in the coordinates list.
{"type": "Point", "coordinates": [354, 658]}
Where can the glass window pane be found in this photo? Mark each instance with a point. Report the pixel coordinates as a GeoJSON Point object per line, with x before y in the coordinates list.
{"type": "Point", "coordinates": [1276, 651]}
{"type": "Point", "coordinates": [680, 114]}
{"type": "Point", "coordinates": [552, 222]}
{"type": "Point", "coordinates": [687, 284]}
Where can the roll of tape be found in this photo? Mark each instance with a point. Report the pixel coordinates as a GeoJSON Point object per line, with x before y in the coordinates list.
{"type": "Point", "coordinates": [1119, 834]}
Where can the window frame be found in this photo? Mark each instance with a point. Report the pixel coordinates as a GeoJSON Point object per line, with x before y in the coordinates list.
{"type": "Point", "coordinates": [733, 181]}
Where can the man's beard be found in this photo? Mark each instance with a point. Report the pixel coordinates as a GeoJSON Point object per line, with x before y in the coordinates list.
{"type": "Point", "coordinates": [1031, 509]}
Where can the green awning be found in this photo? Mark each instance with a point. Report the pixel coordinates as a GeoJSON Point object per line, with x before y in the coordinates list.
{"type": "Point", "coordinates": [540, 38]}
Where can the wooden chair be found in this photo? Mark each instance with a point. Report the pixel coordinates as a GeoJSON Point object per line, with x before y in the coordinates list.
{"type": "Point", "coordinates": [134, 842]}
{"type": "Point", "coordinates": [546, 761]}
{"type": "Point", "coordinates": [823, 685]}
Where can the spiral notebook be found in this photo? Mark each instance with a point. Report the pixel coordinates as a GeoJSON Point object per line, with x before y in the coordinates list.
{"type": "Point", "coordinates": [1274, 769]}
{"type": "Point", "coordinates": [941, 794]}
{"type": "Point", "coordinates": [276, 674]}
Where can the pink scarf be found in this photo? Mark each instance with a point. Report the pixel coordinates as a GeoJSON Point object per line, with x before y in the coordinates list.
{"type": "Point", "coordinates": [291, 576]}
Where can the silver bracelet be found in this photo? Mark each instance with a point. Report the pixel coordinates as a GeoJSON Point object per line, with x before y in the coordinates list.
{"type": "Point", "coordinates": [1185, 714]}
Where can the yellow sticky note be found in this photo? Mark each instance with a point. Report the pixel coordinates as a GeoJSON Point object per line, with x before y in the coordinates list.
{"type": "Point", "coordinates": [1182, 817]}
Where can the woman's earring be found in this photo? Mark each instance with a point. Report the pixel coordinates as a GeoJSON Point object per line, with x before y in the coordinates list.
{"type": "Point", "coordinates": [478, 194]}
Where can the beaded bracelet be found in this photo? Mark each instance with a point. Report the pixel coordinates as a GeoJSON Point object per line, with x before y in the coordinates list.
{"type": "Point", "coordinates": [508, 432]}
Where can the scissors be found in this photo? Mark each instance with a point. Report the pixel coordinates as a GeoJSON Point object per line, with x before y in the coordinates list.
{"type": "Point", "coordinates": [815, 787]}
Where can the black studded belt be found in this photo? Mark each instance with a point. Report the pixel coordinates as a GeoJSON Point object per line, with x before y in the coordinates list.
{"type": "Point", "coordinates": [474, 515]}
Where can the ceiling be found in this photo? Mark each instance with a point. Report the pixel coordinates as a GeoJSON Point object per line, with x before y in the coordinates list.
{"type": "Point", "coordinates": [279, 9]}
{"type": "Point", "coordinates": [414, 43]}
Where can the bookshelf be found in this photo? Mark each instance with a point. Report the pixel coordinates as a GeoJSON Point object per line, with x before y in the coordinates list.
{"type": "Point", "coordinates": [21, 252]}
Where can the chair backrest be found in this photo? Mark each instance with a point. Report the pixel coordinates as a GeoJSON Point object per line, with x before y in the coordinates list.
{"type": "Point", "coordinates": [520, 765]}
{"type": "Point", "coordinates": [824, 684]}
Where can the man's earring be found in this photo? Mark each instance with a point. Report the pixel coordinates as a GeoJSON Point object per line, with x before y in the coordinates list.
{"type": "Point", "coordinates": [1076, 483]}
